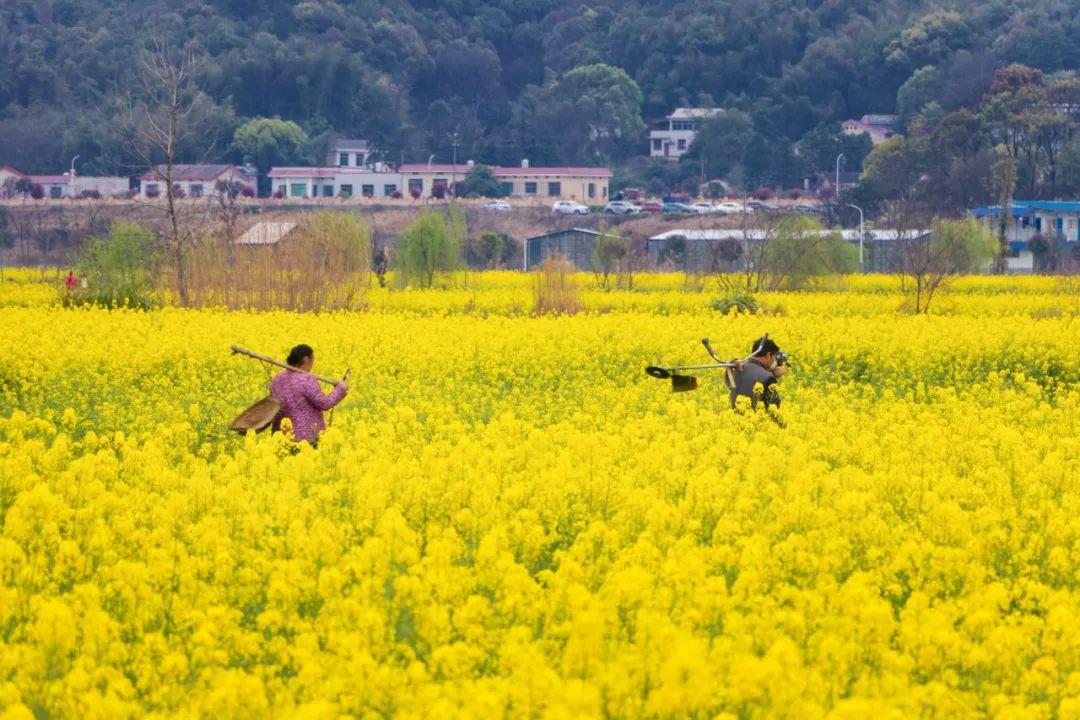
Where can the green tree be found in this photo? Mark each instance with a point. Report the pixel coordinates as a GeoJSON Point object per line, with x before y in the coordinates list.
{"type": "Point", "coordinates": [481, 182]}
{"type": "Point", "coordinates": [429, 245]}
{"type": "Point", "coordinates": [118, 269]}
{"type": "Point", "coordinates": [610, 250]}
{"type": "Point", "coordinates": [922, 88]}
{"type": "Point", "coordinates": [265, 142]}
{"type": "Point", "coordinates": [600, 107]}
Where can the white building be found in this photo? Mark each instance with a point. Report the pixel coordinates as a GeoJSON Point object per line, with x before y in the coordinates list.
{"type": "Point", "coordinates": [345, 153]}
{"type": "Point", "coordinates": [1054, 220]}
{"type": "Point", "coordinates": [65, 186]}
{"type": "Point", "coordinates": [331, 182]}
{"type": "Point", "coordinates": [193, 181]}
{"type": "Point", "coordinates": [672, 141]}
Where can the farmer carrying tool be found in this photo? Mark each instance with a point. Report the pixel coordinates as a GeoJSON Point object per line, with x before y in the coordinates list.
{"type": "Point", "coordinates": [294, 394]}
{"type": "Point", "coordinates": [765, 366]}
{"type": "Point", "coordinates": [762, 367]}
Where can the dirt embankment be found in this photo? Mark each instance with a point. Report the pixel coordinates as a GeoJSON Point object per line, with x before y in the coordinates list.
{"type": "Point", "coordinates": [50, 232]}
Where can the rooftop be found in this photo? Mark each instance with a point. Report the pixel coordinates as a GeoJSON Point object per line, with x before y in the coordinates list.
{"type": "Point", "coordinates": [266, 233]}
{"type": "Point", "coordinates": [1021, 208]}
{"type": "Point", "coordinates": [350, 144]}
{"type": "Point", "coordinates": [850, 235]}
{"type": "Point", "coordinates": [187, 173]}
{"type": "Point", "coordinates": [694, 113]}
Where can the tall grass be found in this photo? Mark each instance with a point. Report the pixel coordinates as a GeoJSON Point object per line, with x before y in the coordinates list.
{"type": "Point", "coordinates": [324, 263]}
{"type": "Point", "coordinates": [555, 288]}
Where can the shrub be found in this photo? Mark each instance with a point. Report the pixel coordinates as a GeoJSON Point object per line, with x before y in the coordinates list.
{"type": "Point", "coordinates": [248, 192]}
{"type": "Point", "coordinates": [415, 193]}
{"type": "Point", "coordinates": [763, 193]}
{"type": "Point", "coordinates": [178, 192]}
{"type": "Point", "coordinates": [118, 269]}
{"type": "Point", "coordinates": [396, 195]}
{"type": "Point", "coordinates": [794, 194]}
{"type": "Point", "coordinates": [153, 192]}
{"type": "Point", "coordinates": [743, 302]}
{"type": "Point", "coordinates": [431, 244]}
{"type": "Point", "coordinates": [279, 194]}
{"type": "Point", "coordinates": [37, 191]}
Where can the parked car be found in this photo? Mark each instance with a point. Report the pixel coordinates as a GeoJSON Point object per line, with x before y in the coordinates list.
{"type": "Point", "coordinates": [569, 207]}
{"type": "Point", "coordinates": [497, 206]}
{"type": "Point", "coordinates": [733, 208]}
{"type": "Point", "coordinates": [621, 207]}
{"type": "Point", "coordinates": [703, 208]}
{"type": "Point", "coordinates": [762, 205]}
{"type": "Point", "coordinates": [806, 208]}
{"type": "Point", "coordinates": [651, 206]}
{"type": "Point", "coordinates": [677, 208]}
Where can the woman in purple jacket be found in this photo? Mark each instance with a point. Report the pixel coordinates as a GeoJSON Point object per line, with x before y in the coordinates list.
{"type": "Point", "coordinates": [302, 400]}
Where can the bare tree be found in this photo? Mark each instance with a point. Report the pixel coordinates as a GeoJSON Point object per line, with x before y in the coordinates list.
{"type": "Point", "coordinates": [929, 259]}
{"type": "Point", "coordinates": [169, 111]}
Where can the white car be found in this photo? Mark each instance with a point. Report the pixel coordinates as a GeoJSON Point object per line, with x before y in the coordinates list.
{"type": "Point", "coordinates": [569, 207]}
{"type": "Point", "coordinates": [702, 208]}
{"type": "Point", "coordinates": [497, 206]}
{"type": "Point", "coordinates": [621, 207]}
{"type": "Point", "coordinates": [734, 208]}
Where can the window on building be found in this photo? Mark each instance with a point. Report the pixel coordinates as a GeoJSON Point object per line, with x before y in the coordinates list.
{"type": "Point", "coordinates": [196, 190]}
{"type": "Point", "coordinates": [55, 191]}
{"type": "Point", "coordinates": [367, 190]}
{"type": "Point", "coordinates": [359, 159]}
{"type": "Point", "coordinates": [416, 186]}
{"type": "Point", "coordinates": [389, 190]}
{"type": "Point", "coordinates": [343, 159]}
{"type": "Point", "coordinates": [530, 188]}
{"type": "Point", "coordinates": [282, 189]}
{"type": "Point", "coordinates": [297, 189]}
{"type": "Point", "coordinates": [1038, 224]}
{"type": "Point", "coordinates": [592, 190]}
{"type": "Point", "coordinates": [657, 145]}
{"type": "Point", "coordinates": [605, 191]}
{"type": "Point", "coordinates": [682, 144]}
{"type": "Point", "coordinates": [328, 191]}
{"type": "Point", "coordinates": [507, 188]}
{"type": "Point", "coordinates": [345, 191]}
{"type": "Point", "coordinates": [554, 189]}
{"type": "Point", "coordinates": [151, 189]}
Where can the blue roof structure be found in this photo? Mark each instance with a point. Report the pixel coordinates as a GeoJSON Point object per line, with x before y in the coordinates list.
{"type": "Point", "coordinates": [1021, 208]}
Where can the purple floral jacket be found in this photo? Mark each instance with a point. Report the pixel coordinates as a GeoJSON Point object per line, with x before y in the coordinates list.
{"type": "Point", "coordinates": [303, 402]}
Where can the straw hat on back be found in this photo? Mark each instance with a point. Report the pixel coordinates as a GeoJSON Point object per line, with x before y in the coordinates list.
{"type": "Point", "coordinates": [257, 417]}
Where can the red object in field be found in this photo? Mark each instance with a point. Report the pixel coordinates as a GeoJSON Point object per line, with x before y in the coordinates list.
{"type": "Point", "coordinates": [651, 206]}
{"type": "Point", "coordinates": [70, 281]}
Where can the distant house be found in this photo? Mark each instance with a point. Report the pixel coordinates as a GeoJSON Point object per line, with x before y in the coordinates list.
{"type": "Point", "coordinates": [8, 177]}
{"type": "Point", "coordinates": [879, 127]}
{"type": "Point", "coordinates": [330, 182]}
{"type": "Point", "coordinates": [193, 180]}
{"type": "Point", "coordinates": [576, 245]}
{"type": "Point", "coordinates": [554, 183]}
{"type": "Point", "coordinates": [345, 153]}
{"type": "Point", "coordinates": [823, 183]}
{"type": "Point", "coordinates": [674, 137]}
{"type": "Point", "coordinates": [1028, 218]}
{"type": "Point", "coordinates": [65, 185]}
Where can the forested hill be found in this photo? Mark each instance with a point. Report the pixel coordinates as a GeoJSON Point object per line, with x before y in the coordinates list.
{"type": "Point", "coordinates": [407, 75]}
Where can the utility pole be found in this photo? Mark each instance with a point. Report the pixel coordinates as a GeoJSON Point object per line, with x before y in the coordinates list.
{"type": "Point", "coordinates": [453, 170]}
{"type": "Point", "coordinates": [837, 188]}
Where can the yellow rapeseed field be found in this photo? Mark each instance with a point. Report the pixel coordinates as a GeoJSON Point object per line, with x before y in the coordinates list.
{"type": "Point", "coordinates": [508, 518]}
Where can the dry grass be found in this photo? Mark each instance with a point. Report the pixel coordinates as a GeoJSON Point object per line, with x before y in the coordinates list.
{"type": "Point", "coordinates": [323, 264]}
{"type": "Point", "coordinates": [555, 288]}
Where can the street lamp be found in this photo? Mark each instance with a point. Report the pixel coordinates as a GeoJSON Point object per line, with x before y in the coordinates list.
{"type": "Point", "coordinates": [837, 187]}
{"type": "Point", "coordinates": [72, 172]}
{"type": "Point", "coordinates": [862, 235]}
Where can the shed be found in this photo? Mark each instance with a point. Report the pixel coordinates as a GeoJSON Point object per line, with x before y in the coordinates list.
{"type": "Point", "coordinates": [575, 244]}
